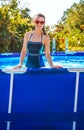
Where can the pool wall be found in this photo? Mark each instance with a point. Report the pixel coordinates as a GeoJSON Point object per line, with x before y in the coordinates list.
{"type": "Point", "coordinates": [42, 98]}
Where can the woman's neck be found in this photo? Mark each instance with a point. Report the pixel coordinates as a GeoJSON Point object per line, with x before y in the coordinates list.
{"type": "Point", "coordinates": [38, 32]}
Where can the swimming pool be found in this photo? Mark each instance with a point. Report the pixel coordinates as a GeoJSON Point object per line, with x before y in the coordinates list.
{"type": "Point", "coordinates": [71, 60]}
{"type": "Point", "coordinates": [44, 98]}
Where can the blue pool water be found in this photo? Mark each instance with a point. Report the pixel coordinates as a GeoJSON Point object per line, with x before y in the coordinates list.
{"type": "Point", "coordinates": [67, 61]}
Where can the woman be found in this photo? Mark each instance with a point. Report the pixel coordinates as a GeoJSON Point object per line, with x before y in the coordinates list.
{"type": "Point", "coordinates": [34, 42]}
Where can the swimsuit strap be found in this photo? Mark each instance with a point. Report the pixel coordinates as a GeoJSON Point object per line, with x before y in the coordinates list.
{"type": "Point", "coordinates": [32, 35]}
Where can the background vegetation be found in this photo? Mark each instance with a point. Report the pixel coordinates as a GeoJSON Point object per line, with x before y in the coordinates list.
{"type": "Point", "coordinates": [14, 22]}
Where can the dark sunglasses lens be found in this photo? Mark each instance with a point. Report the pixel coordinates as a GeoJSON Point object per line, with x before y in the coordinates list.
{"type": "Point", "coordinates": [37, 22]}
{"type": "Point", "coordinates": [41, 22]}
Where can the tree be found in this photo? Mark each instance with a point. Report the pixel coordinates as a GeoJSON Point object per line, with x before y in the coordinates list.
{"type": "Point", "coordinates": [72, 22]}
{"type": "Point", "coordinates": [14, 22]}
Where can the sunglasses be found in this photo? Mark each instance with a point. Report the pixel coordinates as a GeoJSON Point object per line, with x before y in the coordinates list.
{"type": "Point", "coordinates": [41, 22]}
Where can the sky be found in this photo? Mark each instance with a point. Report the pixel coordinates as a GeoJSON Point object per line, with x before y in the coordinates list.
{"type": "Point", "coordinates": [52, 9]}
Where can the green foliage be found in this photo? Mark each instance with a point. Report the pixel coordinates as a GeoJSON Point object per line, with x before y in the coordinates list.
{"type": "Point", "coordinates": [71, 26]}
{"type": "Point", "coordinates": [14, 22]}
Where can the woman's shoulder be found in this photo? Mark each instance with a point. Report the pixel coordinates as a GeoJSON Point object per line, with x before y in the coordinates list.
{"type": "Point", "coordinates": [28, 33]}
{"type": "Point", "coordinates": [46, 38]}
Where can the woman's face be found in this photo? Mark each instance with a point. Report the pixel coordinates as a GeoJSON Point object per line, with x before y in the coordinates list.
{"type": "Point", "coordinates": [39, 22]}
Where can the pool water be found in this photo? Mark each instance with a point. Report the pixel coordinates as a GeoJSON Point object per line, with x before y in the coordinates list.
{"type": "Point", "coordinates": [69, 61]}
{"type": "Point", "coordinates": [65, 61]}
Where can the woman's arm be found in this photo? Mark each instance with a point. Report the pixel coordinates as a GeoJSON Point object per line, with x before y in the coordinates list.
{"type": "Point", "coordinates": [47, 53]}
{"type": "Point", "coordinates": [23, 51]}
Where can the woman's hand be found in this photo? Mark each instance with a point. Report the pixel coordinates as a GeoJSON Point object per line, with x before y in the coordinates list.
{"type": "Point", "coordinates": [17, 67]}
{"type": "Point", "coordinates": [56, 66]}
